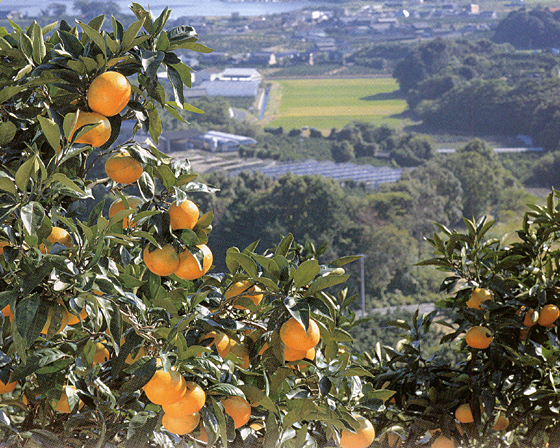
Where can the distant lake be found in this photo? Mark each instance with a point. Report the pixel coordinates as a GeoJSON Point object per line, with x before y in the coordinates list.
{"type": "Point", "coordinates": [179, 8]}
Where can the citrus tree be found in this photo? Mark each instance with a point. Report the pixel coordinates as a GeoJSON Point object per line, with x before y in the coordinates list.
{"type": "Point", "coordinates": [115, 329]}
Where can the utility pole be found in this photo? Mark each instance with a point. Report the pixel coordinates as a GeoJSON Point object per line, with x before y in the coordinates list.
{"type": "Point", "coordinates": [362, 284]}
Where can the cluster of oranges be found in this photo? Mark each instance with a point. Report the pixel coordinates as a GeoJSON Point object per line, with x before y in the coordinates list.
{"type": "Point", "coordinates": [108, 95]}
{"type": "Point", "coordinates": [182, 401]}
{"type": "Point", "coordinates": [166, 260]}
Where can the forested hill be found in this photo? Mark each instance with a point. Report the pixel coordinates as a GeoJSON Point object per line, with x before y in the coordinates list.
{"type": "Point", "coordinates": [541, 29]}
{"type": "Point", "coordinates": [483, 88]}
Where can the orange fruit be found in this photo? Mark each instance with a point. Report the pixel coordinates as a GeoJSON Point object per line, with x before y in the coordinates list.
{"type": "Point", "coordinates": [528, 319]}
{"type": "Point", "coordinates": [7, 312]}
{"type": "Point", "coordinates": [361, 438]}
{"type": "Point", "coordinates": [123, 168]}
{"type": "Point", "coordinates": [162, 261]}
{"type": "Point", "coordinates": [101, 353]}
{"type": "Point", "coordinates": [180, 425]}
{"type": "Point", "coordinates": [96, 135]}
{"type": "Point", "coordinates": [63, 406]}
{"type": "Point", "coordinates": [501, 423]}
{"type": "Point", "coordinates": [192, 401]}
{"type": "Point", "coordinates": [443, 442]}
{"type": "Point", "coordinates": [63, 322]}
{"type": "Point", "coordinates": [239, 288]}
{"type": "Point", "coordinates": [9, 387]}
{"type": "Point", "coordinates": [220, 339]}
{"type": "Point", "coordinates": [548, 315]}
{"type": "Point", "coordinates": [165, 388]}
{"type": "Point", "coordinates": [189, 268]}
{"type": "Point", "coordinates": [202, 434]}
{"type": "Point", "coordinates": [238, 409]}
{"type": "Point", "coordinates": [479, 337]}
{"type": "Point", "coordinates": [293, 334]}
{"type": "Point", "coordinates": [464, 414]}
{"type": "Point", "coordinates": [57, 235]}
{"type": "Point", "coordinates": [72, 319]}
{"type": "Point", "coordinates": [391, 439]}
{"type": "Point", "coordinates": [241, 351]}
{"type": "Point", "coordinates": [118, 205]}
{"type": "Point", "coordinates": [109, 93]}
{"type": "Point", "coordinates": [132, 359]}
{"type": "Point", "coordinates": [3, 244]}
{"type": "Point", "coordinates": [184, 215]}
{"type": "Point", "coordinates": [478, 297]}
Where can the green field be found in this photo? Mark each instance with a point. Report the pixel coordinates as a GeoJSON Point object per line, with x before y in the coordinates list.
{"type": "Point", "coordinates": [333, 103]}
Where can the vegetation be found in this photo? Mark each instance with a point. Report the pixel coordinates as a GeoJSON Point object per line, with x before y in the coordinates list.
{"type": "Point", "coordinates": [123, 333]}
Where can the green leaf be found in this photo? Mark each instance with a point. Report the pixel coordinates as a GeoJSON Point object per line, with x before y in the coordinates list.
{"type": "Point", "coordinates": [7, 183]}
{"type": "Point", "coordinates": [284, 245]}
{"type": "Point", "coordinates": [248, 265]}
{"type": "Point", "coordinates": [184, 72]}
{"type": "Point", "coordinates": [345, 260]}
{"type": "Point", "coordinates": [177, 85]}
{"type": "Point", "coordinates": [357, 371]}
{"type": "Point", "coordinates": [32, 216]}
{"type": "Point", "coordinates": [7, 92]}
{"type": "Point", "coordinates": [69, 124]}
{"type": "Point", "coordinates": [7, 132]}
{"type": "Point", "coordinates": [130, 34]}
{"type": "Point", "coordinates": [194, 46]}
{"type": "Point", "coordinates": [28, 170]}
{"type": "Point", "coordinates": [326, 282]}
{"type": "Point", "coordinates": [306, 272]}
{"type": "Point", "coordinates": [95, 36]}
{"type": "Point", "coordinates": [51, 131]}
{"type": "Point", "coordinates": [39, 49]}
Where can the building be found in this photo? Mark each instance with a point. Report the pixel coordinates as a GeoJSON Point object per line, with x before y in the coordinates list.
{"type": "Point", "coordinates": [213, 141]}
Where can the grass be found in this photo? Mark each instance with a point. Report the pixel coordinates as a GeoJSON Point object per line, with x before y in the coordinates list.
{"type": "Point", "coordinates": [333, 103]}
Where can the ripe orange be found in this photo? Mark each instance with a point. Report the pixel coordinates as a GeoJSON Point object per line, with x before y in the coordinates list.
{"type": "Point", "coordinates": [220, 339]}
{"type": "Point", "coordinates": [391, 439]}
{"type": "Point", "coordinates": [184, 215]}
{"type": "Point", "coordinates": [3, 244]}
{"type": "Point", "coordinates": [478, 297]}
{"type": "Point", "coordinates": [479, 337]}
{"type": "Point", "coordinates": [72, 319]}
{"type": "Point", "coordinates": [501, 423]}
{"type": "Point", "coordinates": [96, 135]}
{"type": "Point", "coordinates": [63, 406]}
{"type": "Point", "coordinates": [109, 93]}
{"type": "Point", "coordinates": [101, 353]}
{"type": "Point", "coordinates": [7, 312]}
{"type": "Point", "coordinates": [464, 414]}
{"type": "Point", "coordinates": [118, 205]}
{"type": "Point", "coordinates": [244, 286]}
{"type": "Point", "coordinates": [63, 322]}
{"type": "Point", "coordinates": [180, 425]}
{"type": "Point", "coordinates": [191, 402]}
{"type": "Point", "coordinates": [238, 409]}
{"type": "Point", "coordinates": [241, 351]}
{"type": "Point", "coordinates": [443, 442]}
{"type": "Point", "coordinates": [202, 434]}
{"type": "Point", "coordinates": [165, 387]}
{"type": "Point", "coordinates": [57, 235]}
{"type": "Point", "coordinates": [140, 354]}
{"type": "Point", "coordinates": [123, 168]}
{"type": "Point", "coordinates": [162, 261]}
{"type": "Point", "coordinates": [293, 334]}
{"type": "Point", "coordinates": [361, 438]}
{"type": "Point", "coordinates": [9, 387]}
{"type": "Point", "coordinates": [528, 319]}
{"type": "Point", "coordinates": [548, 315]}
{"type": "Point", "coordinates": [189, 268]}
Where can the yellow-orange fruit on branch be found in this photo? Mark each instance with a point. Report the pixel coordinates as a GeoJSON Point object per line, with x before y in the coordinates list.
{"type": "Point", "coordinates": [57, 235]}
{"type": "Point", "coordinates": [293, 334]}
{"type": "Point", "coordinates": [191, 402]}
{"type": "Point", "coordinates": [109, 93]}
{"type": "Point", "coordinates": [479, 337]}
{"type": "Point", "coordinates": [180, 425]}
{"type": "Point", "coordinates": [244, 286]}
{"type": "Point", "coordinates": [165, 388]}
{"type": "Point", "coordinates": [184, 215]}
{"type": "Point", "coordinates": [118, 205]}
{"type": "Point", "coordinates": [361, 438]}
{"type": "Point", "coordinates": [478, 297]}
{"type": "Point", "coordinates": [123, 168]}
{"type": "Point", "coordinates": [162, 261]}
{"type": "Point", "coordinates": [238, 409]}
{"type": "Point", "coordinates": [97, 135]}
{"type": "Point", "coordinates": [63, 406]}
{"type": "Point", "coordinates": [189, 269]}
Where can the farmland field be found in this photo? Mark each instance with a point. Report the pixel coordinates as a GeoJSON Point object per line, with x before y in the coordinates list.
{"type": "Point", "coordinates": [332, 103]}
